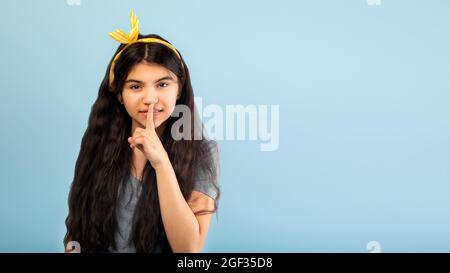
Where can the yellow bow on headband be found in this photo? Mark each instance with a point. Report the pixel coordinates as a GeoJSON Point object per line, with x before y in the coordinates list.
{"type": "Point", "coordinates": [132, 38]}
{"type": "Point", "coordinates": [123, 38]}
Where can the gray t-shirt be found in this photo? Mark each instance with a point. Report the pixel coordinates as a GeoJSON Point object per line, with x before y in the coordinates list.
{"type": "Point", "coordinates": [129, 197]}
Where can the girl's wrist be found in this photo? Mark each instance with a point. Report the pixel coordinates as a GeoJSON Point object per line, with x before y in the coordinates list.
{"type": "Point", "coordinates": [163, 164]}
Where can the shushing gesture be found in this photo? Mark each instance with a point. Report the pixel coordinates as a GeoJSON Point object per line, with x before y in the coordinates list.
{"type": "Point", "coordinates": [147, 141]}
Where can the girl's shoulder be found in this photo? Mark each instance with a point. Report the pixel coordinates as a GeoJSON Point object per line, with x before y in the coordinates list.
{"type": "Point", "coordinates": [212, 148]}
{"type": "Point", "coordinates": [207, 180]}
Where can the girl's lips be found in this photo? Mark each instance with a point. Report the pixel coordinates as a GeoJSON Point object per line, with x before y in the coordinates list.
{"type": "Point", "coordinates": [154, 113]}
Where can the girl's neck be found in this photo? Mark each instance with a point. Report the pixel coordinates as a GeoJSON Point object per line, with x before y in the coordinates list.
{"type": "Point", "coordinates": [158, 130]}
{"type": "Point", "coordinates": [139, 161]}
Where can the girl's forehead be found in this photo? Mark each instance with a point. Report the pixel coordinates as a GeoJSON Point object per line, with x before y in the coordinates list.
{"type": "Point", "coordinates": [149, 72]}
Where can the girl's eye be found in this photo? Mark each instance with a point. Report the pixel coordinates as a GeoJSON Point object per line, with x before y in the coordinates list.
{"type": "Point", "coordinates": [163, 84]}
{"type": "Point", "coordinates": [134, 87]}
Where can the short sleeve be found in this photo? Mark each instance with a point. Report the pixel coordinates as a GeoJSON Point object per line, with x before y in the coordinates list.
{"type": "Point", "coordinates": [207, 180]}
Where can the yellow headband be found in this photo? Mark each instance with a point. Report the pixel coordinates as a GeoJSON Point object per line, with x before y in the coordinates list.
{"type": "Point", "coordinates": [132, 38]}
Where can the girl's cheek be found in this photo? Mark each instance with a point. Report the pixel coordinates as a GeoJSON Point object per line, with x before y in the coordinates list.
{"type": "Point", "coordinates": [173, 108]}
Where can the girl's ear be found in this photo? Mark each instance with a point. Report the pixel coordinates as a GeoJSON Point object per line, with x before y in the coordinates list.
{"type": "Point", "coordinates": [119, 97]}
{"type": "Point", "coordinates": [179, 93]}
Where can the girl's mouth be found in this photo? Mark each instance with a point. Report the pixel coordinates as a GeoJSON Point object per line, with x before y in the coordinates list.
{"type": "Point", "coordinates": [155, 112]}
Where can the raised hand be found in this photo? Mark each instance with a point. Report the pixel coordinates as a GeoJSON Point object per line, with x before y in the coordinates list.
{"type": "Point", "coordinates": [148, 142]}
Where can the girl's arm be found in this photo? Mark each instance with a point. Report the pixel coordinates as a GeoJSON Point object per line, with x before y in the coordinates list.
{"type": "Point", "coordinates": [185, 231]}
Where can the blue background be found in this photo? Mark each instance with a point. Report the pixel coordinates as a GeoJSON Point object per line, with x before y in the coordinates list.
{"type": "Point", "coordinates": [364, 116]}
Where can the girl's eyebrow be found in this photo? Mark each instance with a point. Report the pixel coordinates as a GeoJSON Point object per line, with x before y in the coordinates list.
{"type": "Point", "coordinates": [165, 78]}
{"type": "Point", "coordinates": [141, 82]}
{"type": "Point", "coordinates": [132, 80]}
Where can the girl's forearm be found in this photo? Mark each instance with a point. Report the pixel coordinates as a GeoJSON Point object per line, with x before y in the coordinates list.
{"type": "Point", "coordinates": [180, 223]}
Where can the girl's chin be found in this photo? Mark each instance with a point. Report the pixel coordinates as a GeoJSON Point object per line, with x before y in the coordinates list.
{"type": "Point", "coordinates": [156, 120]}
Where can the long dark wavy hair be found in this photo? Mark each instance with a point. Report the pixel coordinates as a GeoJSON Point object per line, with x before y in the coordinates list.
{"type": "Point", "coordinates": [105, 161]}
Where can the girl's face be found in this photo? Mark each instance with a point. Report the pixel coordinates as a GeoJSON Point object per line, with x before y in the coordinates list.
{"type": "Point", "coordinates": [149, 83]}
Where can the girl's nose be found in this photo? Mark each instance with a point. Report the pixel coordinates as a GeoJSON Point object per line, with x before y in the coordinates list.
{"type": "Point", "coordinates": [150, 97]}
